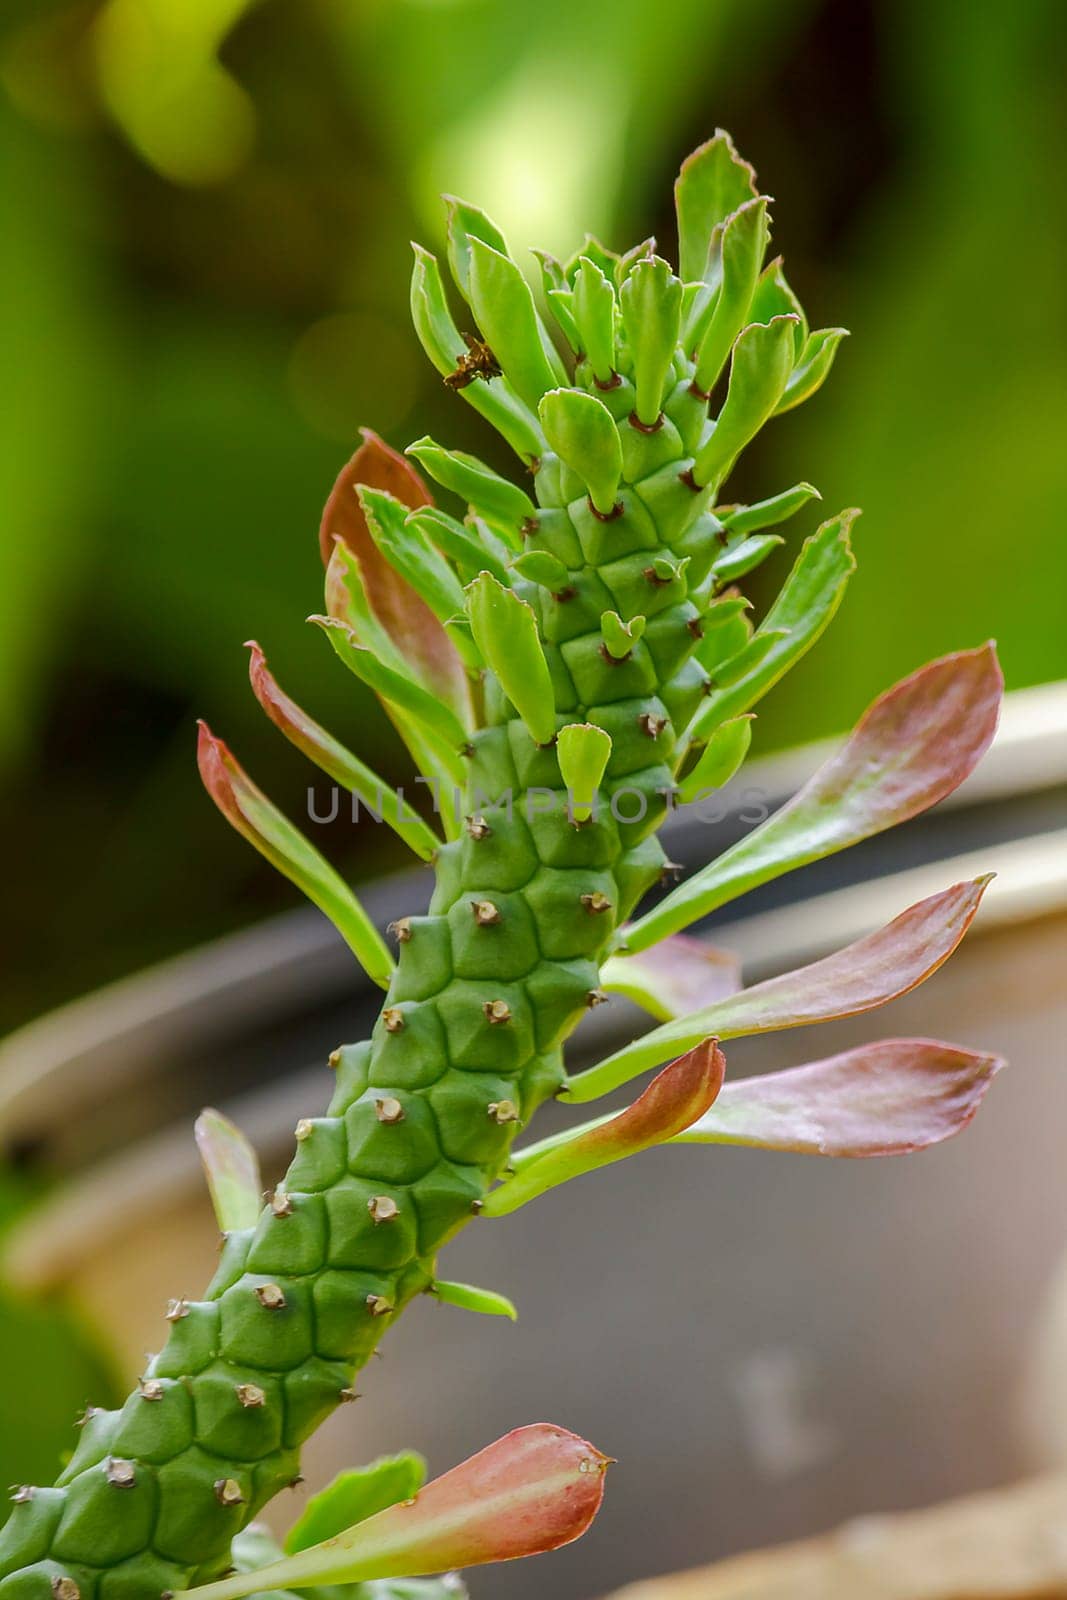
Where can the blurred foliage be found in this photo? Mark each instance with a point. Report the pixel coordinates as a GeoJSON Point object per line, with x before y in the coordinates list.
{"type": "Point", "coordinates": [205, 207]}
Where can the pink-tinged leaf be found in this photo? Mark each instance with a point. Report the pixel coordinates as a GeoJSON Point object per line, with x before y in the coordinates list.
{"type": "Point", "coordinates": [232, 1170]}
{"type": "Point", "coordinates": [884, 1099]}
{"type": "Point", "coordinates": [866, 974]}
{"type": "Point", "coordinates": [416, 634]}
{"type": "Point", "coordinates": [673, 977]}
{"type": "Point", "coordinates": [674, 1099]}
{"type": "Point", "coordinates": [915, 745]}
{"type": "Point", "coordinates": [259, 821]}
{"type": "Point", "coordinates": [532, 1491]}
{"type": "Point", "coordinates": [375, 465]}
{"type": "Point", "coordinates": [341, 765]}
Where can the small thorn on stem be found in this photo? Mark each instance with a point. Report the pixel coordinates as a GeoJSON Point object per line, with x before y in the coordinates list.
{"type": "Point", "coordinates": [477, 827]}
{"type": "Point", "coordinates": [389, 1109]}
{"type": "Point", "coordinates": [393, 1019]}
{"type": "Point", "coordinates": [120, 1474]}
{"type": "Point", "coordinates": [281, 1204]}
{"type": "Point", "coordinates": [400, 929]}
{"type": "Point", "coordinates": [497, 1011]}
{"type": "Point", "coordinates": [333, 1060]}
{"type": "Point", "coordinates": [530, 525]}
{"type": "Point", "coordinates": [486, 914]}
{"type": "Point", "coordinates": [270, 1296]}
{"type": "Point", "coordinates": [176, 1310]}
{"type": "Point", "coordinates": [378, 1305]}
{"type": "Point", "coordinates": [651, 725]}
{"type": "Point", "coordinates": [228, 1492]}
{"type": "Point", "coordinates": [303, 1130]}
{"type": "Point", "coordinates": [151, 1389]}
{"type": "Point", "coordinates": [64, 1588]}
{"type": "Point", "coordinates": [671, 871]}
{"type": "Point", "coordinates": [695, 627]}
{"type": "Point", "coordinates": [503, 1111]}
{"type": "Point", "coordinates": [382, 1208]}
{"type": "Point", "coordinates": [348, 1396]}
{"type": "Point", "coordinates": [21, 1495]}
{"type": "Point", "coordinates": [250, 1395]}
{"type": "Point", "coordinates": [596, 997]}
{"type": "Point", "coordinates": [596, 903]}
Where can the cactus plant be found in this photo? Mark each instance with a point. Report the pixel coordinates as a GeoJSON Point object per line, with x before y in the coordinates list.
{"type": "Point", "coordinates": [564, 661]}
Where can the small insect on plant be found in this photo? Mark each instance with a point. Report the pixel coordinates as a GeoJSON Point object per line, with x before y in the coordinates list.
{"type": "Point", "coordinates": [575, 636]}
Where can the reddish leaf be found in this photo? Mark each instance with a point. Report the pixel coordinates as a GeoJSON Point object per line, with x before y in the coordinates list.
{"type": "Point", "coordinates": [375, 465]}
{"type": "Point", "coordinates": [534, 1490]}
{"type": "Point", "coordinates": [259, 821]}
{"type": "Point", "coordinates": [866, 974]}
{"type": "Point", "coordinates": [417, 634]}
{"type": "Point", "coordinates": [676, 1097]}
{"type": "Point", "coordinates": [915, 745]}
{"type": "Point", "coordinates": [883, 1099]}
{"type": "Point", "coordinates": [322, 748]}
{"type": "Point", "coordinates": [674, 977]}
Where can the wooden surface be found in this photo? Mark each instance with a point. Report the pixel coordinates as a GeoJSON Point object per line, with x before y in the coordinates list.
{"type": "Point", "coordinates": [1010, 1543]}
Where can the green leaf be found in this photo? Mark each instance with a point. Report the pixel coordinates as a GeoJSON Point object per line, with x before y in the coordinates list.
{"type": "Point", "coordinates": [809, 597]}
{"type": "Point", "coordinates": [744, 520]}
{"type": "Point", "coordinates": [354, 1496]}
{"type": "Point", "coordinates": [231, 1167]}
{"type": "Point", "coordinates": [759, 370]}
{"type": "Point", "coordinates": [584, 751]}
{"type": "Point", "coordinates": [914, 745]}
{"type": "Point", "coordinates": [680, 1094]}
{"type": "Point", "coordinates": [468, 553]}
{"type": "Point", "coordinates": [391, 685]}
{"type": "Point", "coordinates": [466, 223]}
{"type": "Point", "coordinates": [403, 544]}
{"type": "Point", "coordinates": [745, 557]}
{"type": "Point", "coordinates": [619, 636]}
{"type": "Point", "coordinates": [813, 367]}
{"type": "Point", "coordinates": [341, 765]}
{"type": "Point", "coordinates": [468, 1298]}
{"type": "Point", "coordinates": [502, 503]}
{"type": "Point", "coordinates": [505, 631]}
{"type": "Point", "coordinates": [540, 566]}
{"type": "Point", "coordinates": [509, 322]}
{"type": "Point", "coordinates": [595, 313]}
{"type": "Point", "coordinates": [249, 811]}
{"type": "Point", "coordinates": [592, 250]}
{"type": "Point", "coordinates": [651, 301]}
{"type": "Point", "coordinates": [737, 669]}
{"type": "Point", "coordinates": [712, 184]}
{"type": "Point", "coordinates": [444, 344]}
{"type": "Point", "coordinates": [582, 432]}
{"type": "Point", "coordinates": [719, 760]}
{"type": "Point", "coordinates": [740, 249]}
{"type": "Point", "coordinates": [774, 298]}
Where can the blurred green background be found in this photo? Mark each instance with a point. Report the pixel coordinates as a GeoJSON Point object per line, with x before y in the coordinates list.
{"type": "Point", "coordinates": [205, 209]}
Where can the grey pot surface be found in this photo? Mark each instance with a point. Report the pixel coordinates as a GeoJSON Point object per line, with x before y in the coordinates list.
{"type": "Point", "coordinates": [768, 1343]}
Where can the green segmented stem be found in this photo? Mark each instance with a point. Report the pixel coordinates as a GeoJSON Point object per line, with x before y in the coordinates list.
{"type": "Point", "coordinates": [619, 551]}
{"type": "Point", "coordinates": [424, 1113]}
